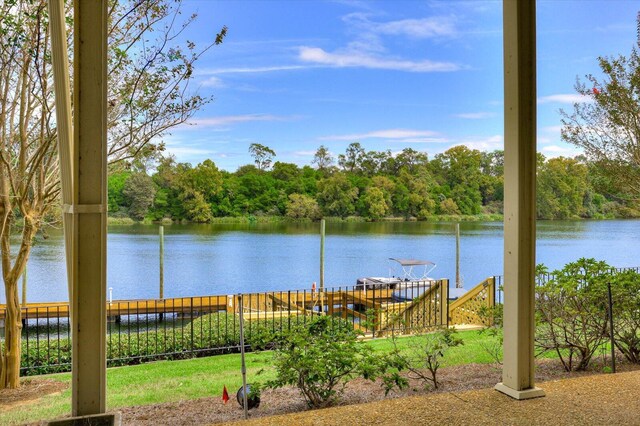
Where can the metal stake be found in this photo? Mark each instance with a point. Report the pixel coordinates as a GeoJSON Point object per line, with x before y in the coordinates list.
{"type": "Point", "coordinates": [244, 366]}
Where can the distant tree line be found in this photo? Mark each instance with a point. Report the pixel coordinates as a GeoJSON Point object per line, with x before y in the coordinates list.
{"type": "Point", "coordinates": [369, 184]}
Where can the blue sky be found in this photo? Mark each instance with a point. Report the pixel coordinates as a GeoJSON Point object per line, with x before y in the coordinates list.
{"type": "Point", "coordinates": [294, 75]}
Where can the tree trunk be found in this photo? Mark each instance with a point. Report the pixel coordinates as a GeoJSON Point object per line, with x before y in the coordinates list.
{"type": "Point", "coordinates": [10, 369]}
{"type": "Point", "coordinates": [10, 360]}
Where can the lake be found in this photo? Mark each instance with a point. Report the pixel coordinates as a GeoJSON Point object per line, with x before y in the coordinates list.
{"type": "Point", "coordinates": [224, 259]}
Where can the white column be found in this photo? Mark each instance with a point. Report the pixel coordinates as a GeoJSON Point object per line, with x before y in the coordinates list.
{"type": "Point", "coordinates": [89, 210]}
{"type": "Point", "coordinates": [519, 23]}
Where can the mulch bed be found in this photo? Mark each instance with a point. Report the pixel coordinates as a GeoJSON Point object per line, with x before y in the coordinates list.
{"type": "Point", "coordinates": [29, 391]}
{"type": "Point", "coordinates": [287, 400]}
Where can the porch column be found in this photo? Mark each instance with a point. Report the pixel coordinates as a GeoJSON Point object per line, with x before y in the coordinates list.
{"type": "Point", "coordinates": [88, 303]}
{"type": "Point", "coordinates": [519, 24]}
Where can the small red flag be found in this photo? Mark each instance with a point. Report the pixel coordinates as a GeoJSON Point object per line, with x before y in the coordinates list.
{"type": "Point", "coordinates": [225, 394]}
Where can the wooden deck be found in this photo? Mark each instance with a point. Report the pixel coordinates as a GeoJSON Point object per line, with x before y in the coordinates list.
{"type": "Point", "coordinates": [258, 305]}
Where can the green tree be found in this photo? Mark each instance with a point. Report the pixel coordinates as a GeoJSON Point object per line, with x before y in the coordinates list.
{"type": "Point", "coordinates": [262, 155]}
{"type": "Point", "coordinates": [139, 193]}
{"type": "Point", "coordinates": [410, 160]}
{"type": "Point", "coordinates": [150, 68]}
{"type": "Point", "coordinates": [562, 186]}
{"type": "Point", "coordinates": [205, 179]}
{"type": "Point", "coordinates": [606, 124]}
{"type": "Point", "coordinates": [302, 206]}
{"type": "Point", "coordinates": [337, 196]}
{"type": "Point", "coordinates": [351, 160]}
{"type": "Point", "coordinates": [458, 171]}
{"type": "Point", "coordinates": [322, 158]}
{"type": "Point", "coordinates": [375, 203]}
{"type": "Point", "coordinates": [115, 185]}
{"type": "Point", "coordinates": [414, 193]}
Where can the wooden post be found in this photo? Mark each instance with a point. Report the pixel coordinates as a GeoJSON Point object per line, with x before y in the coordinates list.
{"type": "Point", "coordinates": [330, 303]}
{"type": "Point", "coordinates": [161, 231]}
{"type": "Point", "coordinates": [24, 288]}
{"type": "Point", "coordinates": [322, 235]}
{"type": "Point", "coordinates": [519, 24]}
{"type": "Point", "coordinates": [444, 302]}
{"type": "Point", "coordinates": [88, 331]}
{"type": "Point", "coordinates": [458, 282]}
{"type": "Point", "coordinates": [62, 90]}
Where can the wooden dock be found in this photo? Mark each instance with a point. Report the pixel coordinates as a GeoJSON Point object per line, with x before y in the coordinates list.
{"type": "Point", "coordinates": [254, 304]}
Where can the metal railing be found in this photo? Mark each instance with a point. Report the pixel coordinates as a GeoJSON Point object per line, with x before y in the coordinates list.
{"type": "Point", "coordinates": [146, 330]}
{"type": "Point", "coordinates": [544, 278]}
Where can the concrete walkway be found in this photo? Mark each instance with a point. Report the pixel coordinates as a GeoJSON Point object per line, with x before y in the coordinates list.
{"type": "Point", "coordinates": [606, 399]}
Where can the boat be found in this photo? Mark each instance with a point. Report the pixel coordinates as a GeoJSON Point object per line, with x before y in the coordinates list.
{"type": "Point", "coordinates": [411, 282]}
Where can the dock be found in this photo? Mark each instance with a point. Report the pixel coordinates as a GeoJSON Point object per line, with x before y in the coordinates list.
{"type": "Point", "coordinates": [257, 305]}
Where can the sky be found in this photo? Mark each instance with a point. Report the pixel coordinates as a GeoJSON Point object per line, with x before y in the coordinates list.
{"type": "Point", "coordinates": [297, 74]}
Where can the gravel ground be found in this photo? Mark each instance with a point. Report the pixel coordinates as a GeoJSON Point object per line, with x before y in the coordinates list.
{"type": "Point", "coordinates": [596, 400]}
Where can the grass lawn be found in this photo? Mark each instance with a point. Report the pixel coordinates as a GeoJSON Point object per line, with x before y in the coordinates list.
{"type": "Point", "coordinates": [167, 381]}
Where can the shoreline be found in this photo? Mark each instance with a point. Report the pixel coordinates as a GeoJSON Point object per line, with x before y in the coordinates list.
{"type": "Point", "coordinates": [250, 219]}
{"type": "Point", "coordinates": [283, 219]}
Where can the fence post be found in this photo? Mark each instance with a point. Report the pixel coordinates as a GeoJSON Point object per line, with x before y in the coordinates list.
{"type": "Point", "coordinates": [243, 369]}
{"type": "Point", "coordinates": [161, 234]}
{"type": "Point", "coordinates": [322, 235]}
{"type": "Point", "coordinates": [492, 292]}
{"type": "Point", "coordinates": [613, 341]}
{"type": "Point", "coordinates": [444, 302]}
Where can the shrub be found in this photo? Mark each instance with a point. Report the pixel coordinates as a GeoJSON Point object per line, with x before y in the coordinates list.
{"type": "Point", "coordinates": [571, 312]}
{"type": "Point", "coordinates": [423, 359]}
{"type": "Point", "coordinates": [493, 346]}
{"type": "Point", "coordinates": [625, 291]}
{"type": "Point", "coordinates": [206, 335]}
{"type": "Point", "coordinates": [320, 358]}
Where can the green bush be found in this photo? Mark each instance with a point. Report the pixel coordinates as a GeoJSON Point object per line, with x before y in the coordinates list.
{"type": "Point", "coordinates": [206, 335]}
{"type": "Point", "coordinates": [625, 289]}
{"type": "Point", "coordinates": [422, 360]}
{"type": "Point", "coordinates": [571, 312]}
{"type": "Point", "coordinates": [320, 358]}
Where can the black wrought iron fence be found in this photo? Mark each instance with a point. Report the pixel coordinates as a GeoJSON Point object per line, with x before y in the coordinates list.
{"type": "Point", "coordinates": [145, 330]}
{"type": "Point", "coordinates": [544, 278]}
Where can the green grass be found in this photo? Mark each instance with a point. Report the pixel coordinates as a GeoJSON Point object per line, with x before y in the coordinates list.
{"type": "Point", "coordinates": [167, 381]}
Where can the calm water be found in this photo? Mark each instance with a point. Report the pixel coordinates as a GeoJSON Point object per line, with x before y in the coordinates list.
{"type": "Point", "coordinates": [223, 259]}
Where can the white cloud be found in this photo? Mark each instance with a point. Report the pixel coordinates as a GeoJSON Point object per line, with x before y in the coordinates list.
{"type": "Point", "coordinates": [213, 82]}
{"type": "Point", "coordinates": [431, 27]}
{"type": "Point", "coordinates": [183, 151]}
{"type": "Point", "coordinates": [351, 58]}
{"type": "Point", "coordinates": [404, 135]}
{"type": "Point", "coordinates": [489, 143]}
{"type": "Point", "coordinates": [226, 120]}
{"type": "Point", "coordinates": [564, 98]}
{"type": "Point", "coordinates": [475, 115]}
{"type": "Point", "coordinates": [304, 153]}
{"type": "Point", "coordinates": [418, 28]}
{"type": "Point", "coordinates": [542, 140]}
{"type": "Point", "coordinates": [551, 129]}
{"type": "Point", "coordinates": [557, 151]}
{"type": "Point", "coordinates": [245, 70]}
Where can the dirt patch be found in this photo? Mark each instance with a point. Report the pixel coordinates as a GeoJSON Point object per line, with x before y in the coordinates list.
{"type": "Point", "coordinates": [287, 400]}
{"type": "Point", "coordinates": [29, 391]}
